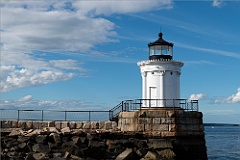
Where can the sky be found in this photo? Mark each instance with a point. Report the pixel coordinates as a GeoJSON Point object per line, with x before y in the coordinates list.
{"type": "Point", "coordinates": [82, 55]}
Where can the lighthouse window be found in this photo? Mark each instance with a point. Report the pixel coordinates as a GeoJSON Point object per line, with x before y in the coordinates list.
{"type": "Point", "coordinates": [152, 72]}
{"type": "Point", "coordinates": [171, 73]}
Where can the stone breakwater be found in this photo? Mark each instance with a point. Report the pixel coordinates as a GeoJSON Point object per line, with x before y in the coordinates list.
{"type": "Point", "coordinates": [55, 140]}
{"type": "Point", "coordinates": [86, 125]}
{"type": "Point", "coordinates": [76, 144]}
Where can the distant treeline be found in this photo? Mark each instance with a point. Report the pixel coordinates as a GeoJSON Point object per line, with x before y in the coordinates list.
{"type": "Point", "coordinates": [220, 124]}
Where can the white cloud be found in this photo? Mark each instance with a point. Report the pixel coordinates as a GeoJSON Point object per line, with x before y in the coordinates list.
{"type": "Point", "coordinates": [197, 96]}
{"type": "Point", "coordinates": [25, 98]}
{"type": "Point", "coordinates": [214, 51]}
{"type": "Point", "coordinates": [217, 3]}
{"type": "Point", "coordinates": [52, 31]}
{"type": "Point", "coordinates": [235, 98]}
{"type": "Point", "coordinates": [30, 27]}
{"type": "Point", "coordinates": [121, 7]}
{"type": "Point", "coordinates": [200, 62]}
{"type": "Point", "coordinates": [66, 64]}
{"type": "Point", "coordinates": [24, 78]}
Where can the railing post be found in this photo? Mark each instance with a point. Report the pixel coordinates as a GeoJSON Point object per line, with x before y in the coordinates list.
{"type": "Point", "coordinates": [140, 103]}
{"type": "Point", "coordinates": [197, 105]}
{"type": "Point", "coordinates": [191, 105]}
{"type": "Point", "coordinates": [186, 105]}
{"type": "Point", "coordinates": [110, 116]}
{"type": "Point", "coordinates": [122, 106]}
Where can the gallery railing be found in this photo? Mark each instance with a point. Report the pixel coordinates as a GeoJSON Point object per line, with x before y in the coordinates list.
{"type": "Point", "coordinates": [133, 105]}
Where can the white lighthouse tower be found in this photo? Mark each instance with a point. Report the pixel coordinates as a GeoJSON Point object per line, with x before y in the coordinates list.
{"type": "Point", "coordinates": [160, 75]}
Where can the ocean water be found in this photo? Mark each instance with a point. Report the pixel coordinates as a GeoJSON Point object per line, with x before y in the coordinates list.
{"type": "Point", "coordinates": [223, 142]}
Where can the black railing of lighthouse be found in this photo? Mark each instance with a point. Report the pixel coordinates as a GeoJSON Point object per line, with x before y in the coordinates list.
{"type": "Point", "coordinates": [124, 106]}
{"type": "Point", "coordinates": [133, 105]}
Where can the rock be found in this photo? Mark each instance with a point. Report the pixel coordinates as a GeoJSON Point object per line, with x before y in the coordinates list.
{"type": "Point", "coordinates": [108, 125]}
{"type": "Point", "coordinates": [40, 148]}
{"type": "Point", "coordinates": [56, 138]}
{"type": "Point", "coordinates": [159, 144]}
{"type": "Point", "coordinates": [50, 129]}
{"type": "Point", "coordinates": [96, 144]}
{"type": "Point", "coordinates": [97, 125]}
{"type": "Point", "coordinates": [76, 140]}
{"type": "Point", "coordinates": [21, 124]}
{"type": "Point", "coordinates": [11, 143]}
{"type": "Point", "coordinates": [34, 132]}
{"type": "Point", "coordinates": [83, 139]}
{"type": "Point", "coordinates": [40, 156]}
{"type": "Point", "coordinates": [57, 155]}
{"type": "Point", "coordinates": [11, 154]}
{"type": "Point", "coordinates": [141, 144]}
{"type": "Point", "coordinates": [151, 155]}
{"type": "Point", "coordinates": [64, 124]}
{"type": "Point", "coordinates": [30, 130]}
{"type": "Point", "coordinates": [29, 156]}
{"type": "Point", "coordinates": [16, 132]}
{"type": "Point", "coordinates": [36, 125]}
{"type": "Point", "coordinates": [50, 124]}
{"type": "Point", "coordinates": [40, 138]}
{"type": "Point", "coordinates": [114, 125]}
{"type": "Point", "coordinates": [23, 147]}
{"type": "Point", "coordinates": [97, 153]}
{"type": "Point", "coordinates": [14, 124]}
{"type": "Point", "coordinates": [166, 153]}
{"type": "Point", "coordinates": [44, 124]}
{"type": "Point", "coordinates": [79, 125]}
{"type": "Point", "coordinates": [29, 145]}
{"type": "Point", "coordinates": [75, 157]}
{"type": "Point", "coordinates": [72, 125]}
{"type": "Point", "coordinates": [23, 139]}
{"type": "Point", "coordinates": [102, 125]}
{"type": "Point", "coordinates": [125, 155]}
{"type": "Point", "coordinates": [58, 158]}
{"type": "Point", "coordinates": [70, 147]}
{"type": "Point", "coordinates": [65, 130]}
{"type": "Point", "coordinates": [6, 124]}
{"type": "Point", "coordinates": [29, 125]}
{"type": "Point", "coordinates": [58, 124]}
{"type": "Point", "coordinates": [65, 138]}
{"type": "Point", "coordinates": [94, 125]}
{"type": "Point", "coordinates": [141, 152]}
{"type": "Point", "coordinates": [78, 132]}
{"type": "Point", "coordinates": [87, 125]}
{"type": "Point", "coordinates": [66, 155]}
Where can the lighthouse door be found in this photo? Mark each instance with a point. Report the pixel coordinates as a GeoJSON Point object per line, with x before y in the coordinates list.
{"type": "Point", "coordinates": [153, 97]}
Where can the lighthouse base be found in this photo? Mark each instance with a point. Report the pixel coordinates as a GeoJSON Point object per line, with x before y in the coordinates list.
{"type": "Point", "coordinates": [183, 130]}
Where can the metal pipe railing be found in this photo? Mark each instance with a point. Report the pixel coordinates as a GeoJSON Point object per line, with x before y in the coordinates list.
{"type": "Point", "coordinates": [133, 105]}
{"type": "Point", "coordinates": [45, 115]}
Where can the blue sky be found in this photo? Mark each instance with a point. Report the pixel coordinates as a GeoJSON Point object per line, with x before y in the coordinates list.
{"type": "Point", "coordinates": [82, 55]}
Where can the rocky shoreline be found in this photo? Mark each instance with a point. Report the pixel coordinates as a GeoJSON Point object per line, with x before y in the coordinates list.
{"type": "Point", "coordinates": [77, 144]}
{"type": "Point", "coordinates": [63, 140]}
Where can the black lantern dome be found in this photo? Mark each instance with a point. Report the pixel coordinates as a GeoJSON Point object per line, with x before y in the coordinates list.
{"type": "Point", "coordinates": [160, 49]}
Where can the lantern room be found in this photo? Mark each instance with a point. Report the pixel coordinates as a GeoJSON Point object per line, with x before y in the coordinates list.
{"type": "Point", "coordinates": [160, 49]}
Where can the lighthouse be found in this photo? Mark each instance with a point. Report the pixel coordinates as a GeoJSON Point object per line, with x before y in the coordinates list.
{"type": "Point", "coordinates": [160, 114]}
{"type": "Point", "coordinates": [160, 75]}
